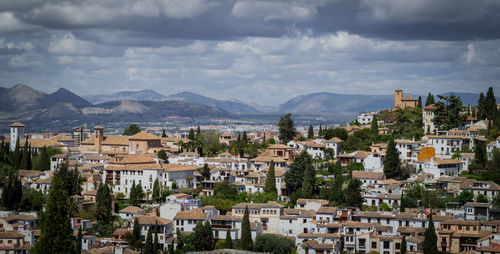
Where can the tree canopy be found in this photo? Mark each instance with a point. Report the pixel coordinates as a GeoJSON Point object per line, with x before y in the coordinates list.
{"type": "Point", "coordinates": [287, 130]}
{"type": "Point", "coordinates": [132, 130]}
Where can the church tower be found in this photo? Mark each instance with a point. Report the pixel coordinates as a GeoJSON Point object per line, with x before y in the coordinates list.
{"type": "Point", "coordinates": [99, 137]}
{"type": "Point", "coordinates": [398, 96]}
{"type": "Point", "coordinates": [16, 132]}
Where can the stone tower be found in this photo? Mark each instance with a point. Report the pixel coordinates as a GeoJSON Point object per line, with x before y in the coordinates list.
{"type": "Point", "coordinates": [398, 96]}
{"type": "Point", "coordinates": [99, 137]}
{"type": "Point", "coordinates": [16, 132]}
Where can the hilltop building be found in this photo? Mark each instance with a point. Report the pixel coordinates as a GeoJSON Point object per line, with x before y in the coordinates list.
{"type": "Point", "coordinates": [16, 132]}
{"type": "Point", "coordinates": [403, 102]}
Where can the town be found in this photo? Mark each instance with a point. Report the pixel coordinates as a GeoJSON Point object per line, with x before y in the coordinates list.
{"type": "Point", "coordinates": [419, 177]}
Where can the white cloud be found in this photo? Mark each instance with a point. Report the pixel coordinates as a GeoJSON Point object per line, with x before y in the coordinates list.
{"type": "Point", "coordinates": [9, 23]}
{"type": "Point", "coordinates": [185, 9]}
{"type": "Point", "coordinates": [70, 45]}
{"type": "Point", "coordinates": [277, 10]}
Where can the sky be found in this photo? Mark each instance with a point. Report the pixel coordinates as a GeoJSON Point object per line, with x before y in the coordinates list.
{"type": "Point", "coordinates": [256, 51]}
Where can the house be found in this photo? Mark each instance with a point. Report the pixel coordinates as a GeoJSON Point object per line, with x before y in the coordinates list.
{"type": "Point", "coordinates": [445, 145]}
{"type": "Point", "coordinates": [368, 178]}
{"type": "Point", "coordinates": [267, 214]}
{"type": "Point", "coordinates": [365, 118]}
{"type": "Point", "coordinates": [456, 236]}
{"type": "Point", "coordinates": [13, 241]}
{"type": "Point", "coordinates": [407, 149]}
{"type": "Point", "coordinates": [130, 211]}
{"type": "Point", "coordinates": [105, 144]}
{"type": "Point", "coordinates": [221, 224]}
{"type": "Point", "coordinates": [186, 220]}
{"type": "Point", "coordinates": [440, 167]}
{"type": "Point", "coordinates": [310, 204]}
{"type": "Point", "coordinates": [335, 144]}
{"type": "Point", "coordinates": [164, 228]}
{"type": "Point", "coordinates": [476, 211]}
{"type": "Point", "coordinates": [144, 142]}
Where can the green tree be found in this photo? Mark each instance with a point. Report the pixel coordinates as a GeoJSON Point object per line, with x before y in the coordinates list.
{"type": "Point", "coordinates": [480, 154]}
{"type": "Point", "coordinates": [205, 172]}
{"type": "Point", "coordinates": [246, 241]}
{"type": "Point", "coordinates": [244, 138]}
{"type": "Point", "coordinates": [136, 194]}
{"type": "Point", "coordinates": [353, 193]}
{"type": "Point", "coordinates": [199, 236]}
{"type": "Point", "coordinates": [480, 198]}
{"type": "Point", "coordinates": [229, 242]}
{"type": "Point", "coordinates": [374, 126]}
{"type": "Point", "coordinates": [148, 246]}
{"type": "Point", "coordinates": [12, 191]}
{"type": "Point", "coordinates": [320, 132]}
{"type": "Point", "coordinates": [408, 123]}
{"type": "Point", "coordinates": [56, 234]}
{"type": "Point", "coordinates": [209, 236]}
{"type": "Point", "coordinates": [78, 246]}
{"type": "Point", "coordinates": [103, 204]}
{"type": "Point", "coordinates": [335, 132]}
{"type": "Point", "coordinates": [132, 130]}
{"type": "Point", "coordinates": [307, 184]}
{"type": "Point", "coordinates": [294, 176]}
{"type": "Point", "coordinates": [156, 191]}
{"type": "Point", "coordinates": [225, 190]}
{"type": "Point", "coordinates": [191, 134]}
{"type": "Point", "coordinates": [171, 248]}
{"type": "Point", "coordinates": [403, 246]}
{"type": "Point", "coordinates": [447, 114]}
{"type": "Point", "coordinates": [287, 130]}
{"type": "Point", "coordinates": [402, 206]}
{"type": "Point", "coordinates": [71, 179]}
{"type": "Point", "coordinates": [337, 193]}
{"type": "Point", "coordinates": [156, 244]}
{"type": "Point", "coordinates": [392, 165]}
{"type": "Point", "coordinates": [310, 132]}
{"type": "Point", "coordinates": [198, 133]}
{"type": "Point", "coordinates": [269, 243]}
{"type": "Point", "coordinates": [464, 197]}
{"type": "Point", "coordinates": [270, 186]}
{"type": "Point", "coordinates": [162, 155]}
{"type": "Point", "coordinates": [429, 100]}
{"type": "Point", "coordinates": [164, 134]}
{"type": "Point", "coordinates": [419, 102]}
{"type": "Point", "coordinates": [43, 160]}
{"type": "Point", "coordinates": [26, 156]}
{"type": "Point", "coordinates": [490, 105]}
{"type": "Point", "coordinates": [430, 238]}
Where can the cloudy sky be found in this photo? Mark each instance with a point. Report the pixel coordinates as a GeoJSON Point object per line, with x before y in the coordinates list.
{"type": "Point", "coordinates": [252, 50]}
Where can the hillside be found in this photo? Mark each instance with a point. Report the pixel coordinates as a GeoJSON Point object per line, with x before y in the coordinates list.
{"type": "Point", "coordinates": [142, 95]}
{"type": "Point", "coordinates": [233, 106]}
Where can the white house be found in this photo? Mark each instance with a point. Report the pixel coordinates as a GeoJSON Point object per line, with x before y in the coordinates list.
{"type": "Point", "coordinates": [440, 167]}
{"type": "Point", "coordinates": [365, 118]}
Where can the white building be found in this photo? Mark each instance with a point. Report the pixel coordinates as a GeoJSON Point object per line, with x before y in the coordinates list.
{"type": "Point", "coordinates": [267, 214]}
{"type": "Point", "coordinates": [407, 149]}
{"type": "Point", "coordinates": [428, 119]}
{"type": "Point", "coordinates": [335, 144]}
{"type": "Point", "coordinates": [16, 133]}
{"type": "Point", "coordinates": [440, 167]}
{"type": "Point", "coordinates": [444, 146]}
{"type": "Point", "coordinates": [365, 118]}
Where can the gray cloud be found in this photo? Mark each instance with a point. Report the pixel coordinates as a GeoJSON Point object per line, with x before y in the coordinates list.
{"type": "Point", "coordinates": [262, 51]}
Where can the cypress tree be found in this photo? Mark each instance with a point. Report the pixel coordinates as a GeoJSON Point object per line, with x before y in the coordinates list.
{"type": "Point", "coordinates": [156, 190]}
{"type": "Point", "coordinates": [103, 204]}
{"type": "Point", "coordinates": [180, 244]}
{"type": "Point", "coordinates": [199, 237]}
{"type": "Point", "coordinates": [294, 177]}
{"type": "Point", "coordinates": [419, 102]}
{"type": "Point", "coordinates": [244, 137]}
{"type": "Point", "coordinates": [228, 244]}
{"type": "Point", "coordinates": [403, 245]}
{"type": "Point", "coordinates": [337, 195]}
{"type": "Point", "coordinates": [43, 160]}
{"type": "Point", "coordinates": [270, 186]}
{"type": "Point", "coordinates": [481, 114]}
{"type": "Point", "coordinates": [490, 104]}
{"type": "Point", "coordinates": [198, 132]}
{"type": "Point", "coordinates": [353, 193]}
{"type": "Point", "coordinates": [148, 246]}
{"type": "Point", "coordinates": [156, 244]}
{"type": "Point", "coordinates": [307, 187]}
{"type": "Point", "coordinates": [430, 238]}
{"type": "Point", "coordinates": [320, 132]}
{"type": "Point", "coordinates": [287, 130]}
{"type": "Point", "coordinates": [56, 236]}
{"type": "Point", "coordinates": [171, 248]}
{"type": "Point", "coordinates": [209, 236]}
{"type": "Point", "coordinates": [392, 165]}
{"type": "Point", "coordinates": [191, 134]}
{"type": "Point", "coordinates": [429, 100]}
{"type": "Point", "coordinates": [25, 156]}
{"type": "Point", "coordinates": [310, 132]}
{"type": "Point", "coordinates": [205, 172]}
{"type": "Point", "coordinates": [246, 233]}
{"type": "Point", "coordinates": [17, 156]}
{"type": "Point", "coordinates": [402, 205]}
{"type": "Point", "coordinates": [136, 233]}
{"type": "Point", "coordinates": [374, 126]}
{"type": "Point", "coordinates": [164, 134]}
{"type": "Point", "coordinates": [79, 241]}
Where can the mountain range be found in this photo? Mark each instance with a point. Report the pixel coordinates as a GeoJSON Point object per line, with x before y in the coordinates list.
{"type": "Point", "coordinates": [23, 103]}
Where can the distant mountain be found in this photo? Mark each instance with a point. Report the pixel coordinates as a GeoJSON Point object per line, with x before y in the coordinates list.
{"type": "Point", "coordinates": [467, 98]}
{"type": "Point", "coordinates": [232, 106]}
{"type": "Point", "coordinates": [142, 95]}
{"type": "Point", "coordinates": [331, 103]}
{"type": "Point", "coordinates": [63, 95]}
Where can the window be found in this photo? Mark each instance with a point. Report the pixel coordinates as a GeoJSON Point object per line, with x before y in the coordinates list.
{"type": "Point", "coordinates": [374, 245]}
{"type": "Point", "coordinates": [387, 244]}
{"type": "Point", "coordinates": [398, 246]}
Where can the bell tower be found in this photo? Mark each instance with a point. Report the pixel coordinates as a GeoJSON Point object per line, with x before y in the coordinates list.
{"type": "Point", "coordinates": [398, 96]}
{"type": "Point", "coordinates": [16, 133]}
{"type": "Point", "coordinates": [99, 137]}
